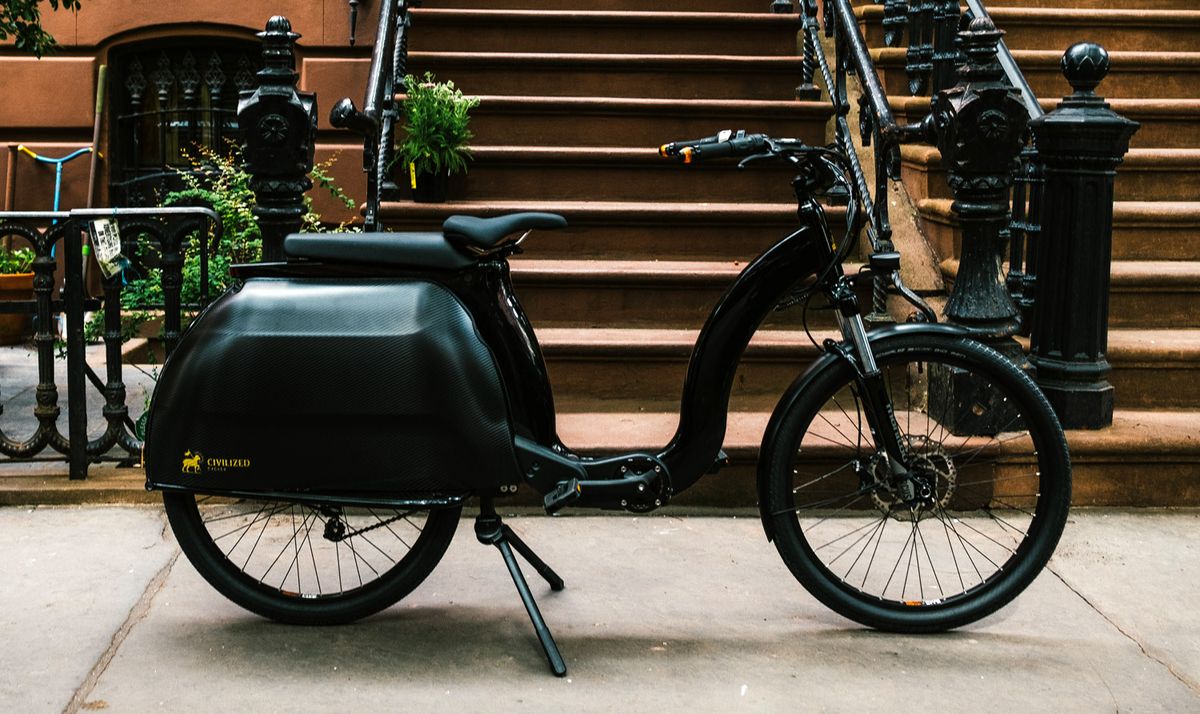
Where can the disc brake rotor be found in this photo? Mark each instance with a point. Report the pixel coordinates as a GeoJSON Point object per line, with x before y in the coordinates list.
{"type": "Point", "coordinates": [933, 474]}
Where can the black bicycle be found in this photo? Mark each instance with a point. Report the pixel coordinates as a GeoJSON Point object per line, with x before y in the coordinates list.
{"type": "Point", "coordinates": [319, 428]}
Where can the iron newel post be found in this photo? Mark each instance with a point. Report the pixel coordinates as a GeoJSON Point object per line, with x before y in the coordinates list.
{"type": "Point", "coordinates": [981, 126]}
{"type": "Point", "coordinates": [279, 127]}
{"type": "Point", "coordinates": [1081, 144]}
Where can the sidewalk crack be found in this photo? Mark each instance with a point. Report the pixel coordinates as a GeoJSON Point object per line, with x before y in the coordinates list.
{"type": "Point", "coordinates": [136, 614]}
{"type": "Point", "coordinates": [1186, 681]}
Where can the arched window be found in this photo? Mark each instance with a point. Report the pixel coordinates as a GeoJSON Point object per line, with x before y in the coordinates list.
{"type": "Point", "coordinates": [168, 98]}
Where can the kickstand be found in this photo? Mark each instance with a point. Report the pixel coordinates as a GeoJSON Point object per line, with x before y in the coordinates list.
{"type": "Point", "coordinates": [490, 530]}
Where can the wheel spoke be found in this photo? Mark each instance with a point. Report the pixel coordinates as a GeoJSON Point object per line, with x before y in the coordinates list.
{"type": "Point", "coordinates": [966, 442]}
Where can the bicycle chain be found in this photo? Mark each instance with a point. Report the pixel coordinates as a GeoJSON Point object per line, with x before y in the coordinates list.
{"type": "Point", "coordinates": [370, 528]}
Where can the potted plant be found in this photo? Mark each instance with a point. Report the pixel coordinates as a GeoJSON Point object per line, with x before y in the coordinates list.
{"type": "Point", "coordinates": [16, 283]}
{"type": "Point", "coordinates": [437, 115]}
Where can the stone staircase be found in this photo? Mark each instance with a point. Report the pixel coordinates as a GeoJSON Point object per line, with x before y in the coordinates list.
{"type": "Point", "coordinates": [1151, 456]}
{"type": "Point", "coordinates": [574, 106]}
{"type": "Point", "coordinates": [575, 103]}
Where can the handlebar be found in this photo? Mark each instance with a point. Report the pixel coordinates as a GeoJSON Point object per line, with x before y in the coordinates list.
{"type": "Point", "coordinates": [724, 144]}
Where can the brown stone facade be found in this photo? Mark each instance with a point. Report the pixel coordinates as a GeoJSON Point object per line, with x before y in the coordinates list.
{"type": "Point", "coordinates": [48, 104]}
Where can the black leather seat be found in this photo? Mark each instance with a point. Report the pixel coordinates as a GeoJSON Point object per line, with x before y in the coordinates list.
{"type": "Point", "coordinates": [464, 241]}
{"type": "Point", "coordinates": [486, 234]}
{"type": "Point", "coordinates": [419, 250]}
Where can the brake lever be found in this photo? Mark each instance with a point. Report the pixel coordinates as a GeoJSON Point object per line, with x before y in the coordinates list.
{"type": "Point", "coordinates": [756, 157]}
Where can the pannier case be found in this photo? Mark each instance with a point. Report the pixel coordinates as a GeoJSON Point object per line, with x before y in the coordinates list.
{"type": "Point", "coordinates": [344, 386]}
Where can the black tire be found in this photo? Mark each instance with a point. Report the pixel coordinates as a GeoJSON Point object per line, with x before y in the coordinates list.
{"type": "Point", "coordinates": [373, 568]}
{"type": "Point", "coordinates": [996, 502]}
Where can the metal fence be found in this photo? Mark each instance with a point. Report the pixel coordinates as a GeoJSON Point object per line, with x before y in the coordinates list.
{"type": "Point", "coordinates": [164, 232]}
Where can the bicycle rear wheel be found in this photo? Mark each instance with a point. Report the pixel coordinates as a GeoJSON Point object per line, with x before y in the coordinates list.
{"type": "Point", "coordinates": [309, 564]}
{"type": "Point", "coordinates": [991, 478]}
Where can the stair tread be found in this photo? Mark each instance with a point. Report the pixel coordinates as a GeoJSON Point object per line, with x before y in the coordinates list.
{"type": "Point", "coordinates": [1133, 432]}
{"type": "Point", "coordinates": [674, 210]}
{"type": "Point", "coordinates": [1183, 106]}
{"type": "Point", "coordinates": [1141, 158]}
{"type": "Point", "coordinates": [1175, 344]}
{"type": "Point", "coordinates": [630, 270]}
{"type": "Point", "coordinates": [789, 106]}
{"type": "Point", "coordinates": [1065, 15]}
{"type": "Point", "coordinates": [1156, 273]}
{"type": "Point", "coordinates": [1120, 58]}
{"type": "Point", "coordinates": [1186, 212]}
{"type": "Point", "coordinates": [683, 61]}
{"type": "Point", "coordinates": [668, 341]}
{"type": "Point", "coordinates": [622, 17]}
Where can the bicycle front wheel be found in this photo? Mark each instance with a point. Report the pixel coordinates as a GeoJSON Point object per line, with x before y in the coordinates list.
{"type": "Point", "coordinates": [990, 478]}
{"type": "Point", "coordinates": [309, 564]}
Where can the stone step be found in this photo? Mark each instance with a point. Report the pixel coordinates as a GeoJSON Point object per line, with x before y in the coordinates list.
{"type": "Point", "coordinates": [612, 174]}
{"type": "Point", "coordinates": [615, 75]}
{"type": "Point", "coordinates": [1142, 230]}
{"type": "Point", "coordinates": [1143, 293]}
{"type": "Point", "coordinates": [1145, 174]}
{"type": "Point", "coordinates": [630, 293]}
{"type": "Point", "coordinates": [754, 6]}
{"type": "Point", "coordinates": [621, 369]}
{"type": "Point", "coordinates": [1146, 459]}
{"type": "Point", "coordinates": [1165, 123]}
{"type": "Point", "coordinates": [618, 369]}
{"type": "Point", "coordinates": [1059, 4]}
{"type": "Point", "coordinates": [1132, 74]}
{"type": "Point", "coordinates": [628, 230]}
{"type": "Point", "coordinates": [1155, 369]}
{"type": "Point", "coordinates": [635, 122]}
{"type": "Point", "coordinates": [609, 31]}
{"type": "Point", "coordinates": [1155, 294]}
{"type": "Point", "coordinates": [1059, 27]}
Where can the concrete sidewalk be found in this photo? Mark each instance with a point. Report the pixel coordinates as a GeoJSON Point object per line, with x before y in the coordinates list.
{"type": "Point", "coordinates": [660, 613]}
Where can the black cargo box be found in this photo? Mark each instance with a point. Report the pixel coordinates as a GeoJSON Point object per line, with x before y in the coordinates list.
{"type": "Point", "coordinates": [335, 386]}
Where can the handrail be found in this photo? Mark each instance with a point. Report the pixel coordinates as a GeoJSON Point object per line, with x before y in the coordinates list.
{"type": "Point", "coordinates": [1014, 74]}
{"type": "Point", "coordinates": [381, 58]}
{"type": "Point", "coordinates": [863, 67]}
{"type": "Point", "coordinates": [377, 120]}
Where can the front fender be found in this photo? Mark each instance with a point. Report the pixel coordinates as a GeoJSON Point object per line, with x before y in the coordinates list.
{"type": "Point", "coordinates": [878, 339]}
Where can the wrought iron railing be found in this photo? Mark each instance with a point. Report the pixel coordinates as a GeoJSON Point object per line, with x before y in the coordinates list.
{"type": "Point", "coordinates": [376, 122]}
{"type": "Point", "coordinates": [168, 231]}
{"type": "Point", "coordinates": [992, 134]}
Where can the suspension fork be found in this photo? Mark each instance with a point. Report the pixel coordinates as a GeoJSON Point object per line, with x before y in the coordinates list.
{"type": "Point", "coordinates": [872, 389]}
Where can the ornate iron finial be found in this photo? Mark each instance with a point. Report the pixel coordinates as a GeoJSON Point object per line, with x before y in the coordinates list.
{"type": "Point", "coordinates": [279, 59]}
{"type": "Point", "coordinates": [1085, 65]}
{"type": "Point", "coordinates": [980, 43]}
{"type": "Point", "coordinates": [353, 20]}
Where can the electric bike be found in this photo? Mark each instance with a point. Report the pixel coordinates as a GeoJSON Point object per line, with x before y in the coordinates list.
{"type": "Point", "coordinates": [319, 428]}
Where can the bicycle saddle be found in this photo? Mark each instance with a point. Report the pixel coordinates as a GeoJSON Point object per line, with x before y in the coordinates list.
{"type": "Point", "coordinates": [483, 235]}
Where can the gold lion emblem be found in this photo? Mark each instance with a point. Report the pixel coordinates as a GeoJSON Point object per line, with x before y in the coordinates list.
{"type": "Point", "coordinates": [191, 462]}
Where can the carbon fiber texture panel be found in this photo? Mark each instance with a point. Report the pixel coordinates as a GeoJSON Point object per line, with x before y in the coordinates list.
{"type": "Point", "coordinates": [332, 384]}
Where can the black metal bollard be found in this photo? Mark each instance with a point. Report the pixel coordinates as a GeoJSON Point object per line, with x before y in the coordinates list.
{"type": "Point", "coordinates": [981, 123]}
{"type": "Point", "coordinates": [279, 128]}
{"type": "Point", "coordinates": [1081, 143]}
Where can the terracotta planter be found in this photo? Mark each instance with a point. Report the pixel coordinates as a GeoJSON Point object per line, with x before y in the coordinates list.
{"type": "Point", "coordinates": [15, 328]}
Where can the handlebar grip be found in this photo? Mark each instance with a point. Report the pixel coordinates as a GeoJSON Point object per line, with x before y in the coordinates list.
{"type": "Point", "coordinates": [739, 146]}
{"type": "Point", "coordinates": [675, 149]}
